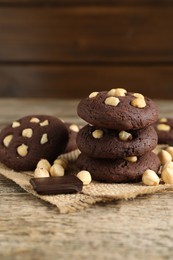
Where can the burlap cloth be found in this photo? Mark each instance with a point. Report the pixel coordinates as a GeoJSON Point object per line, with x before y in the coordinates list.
{"type": "Point", "coordinates": [91, 194]}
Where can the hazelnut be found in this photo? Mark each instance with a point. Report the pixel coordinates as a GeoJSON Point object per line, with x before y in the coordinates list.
{"type": "Point", "coordinates": [63, 162]}
{"type": "Point", "coordinates": [138, 102]}
{"type": "Point", "coordinates": [169, 149]}
{"type": "Point", "coordinates": [150, 178]}
{"type": "Point", "coordinates": [117, 92]}
{"type": "Point", "coordinates": [163, 127]}
{"type": "Point", "coordinates": [97, 134]}
{"type": "Point", "coordinates": [112, 101]}
{"type": "Point", "coordinates": [124, 136]}
{"type": "Point", "coordinates": [132, 159]}
{"type": "Point", "coordinates": [167, 173]}
{"type": "Point", "coordinates": [167, 165]}
{"type": "Point", "coordinates": [93, 94]}
{"type": "Point", "coordinates": [43, 163]}
{"type": "Point", "coordinates": [22, 150]}
{"type": "Point", "coordinates": [41, 173]}
{"type": "Point", "coordinates": [85, 177]}
{"type": "Point", "coordinates": [44, 123]}
{"type": "Point", "coordinates": [15, 124]}
{"type": "Point", "coordinates": [163, 120]}
{"type": "Point", "coordinates": [74, 128]}
{"type": "Point", "coordinates": [138, 95]}
{"type": "Point", "coordinates": [56, 170]}
{"type": "Point", "coordinates": [28, 132]}
{"type": "Point", "coordinates": [164, 156]}
{"type": "Point", "coordinates": [44, 139]}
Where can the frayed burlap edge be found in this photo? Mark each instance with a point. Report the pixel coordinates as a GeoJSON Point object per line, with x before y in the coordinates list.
{"type": "Point", "coordinates": [91, 194]}
{"type": "Point", "coordinates": [95, 192]}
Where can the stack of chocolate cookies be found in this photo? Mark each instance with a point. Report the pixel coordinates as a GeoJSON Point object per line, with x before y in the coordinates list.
{"type": "Point", "coordinates": [116, 146]}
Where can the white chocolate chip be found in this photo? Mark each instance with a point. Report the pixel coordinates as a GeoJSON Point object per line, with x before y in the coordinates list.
{"type": "Point", "coordinates": [7, 140]}
{"type": "Point", "coordinates": [164, 156]}
{"type": "Point", "coordinates": [138, 95]}
{"type": "Point", "coordinates": [93, 94]}
{"type": "Point", "coordinates": [34, 120]}
{"type": "Point", "coordinates": [112, 101]}
{"type": "Point", "coordinates": [138, 102]}
{"type": "Point", "coordinates": [44, 123]}
{"type": "Point", "coordinates": [97, 134]}
{"type": "Point", "coordinates": [124, 136]}
{"type": "Point", "coordinates": [63, 162]}
{"type": "Point", "coordinates": [85, 177]}
{"type": "Point", "coordinates": [163, 120]}
{"type": "Point", "coordinates": [44, 139]}
{"type": "Point", "coordinates": [22, 150]}
{"type": "Point", "coordinates": [163, 127]}
{"type": "Point", "coordinates": [150, 178]}
{"type": "Point", "coordinates": [56, 170]}
{"type": "Point", "coordinates": [117, 92]}
{"type": "Point", "coordinates": [41, 173]}
{"type": "Point", "coordinates": [169, 149]}
{"type": "Point", "coordinates": [15, 124]}
{"type": "Point", "coordinates": [43, 163]}
{"type": "Point", "coordinates": [132, 159]}
{"type": "Point", "coordinates": [167, 173]}
{"type": "Point", "coordinates": [28, 132]}
{"type": "Point", "coordinates": [74, 128]}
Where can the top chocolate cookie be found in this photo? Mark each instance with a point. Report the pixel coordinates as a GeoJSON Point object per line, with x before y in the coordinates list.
{"type": "Point", "coordinates": [118, 109]}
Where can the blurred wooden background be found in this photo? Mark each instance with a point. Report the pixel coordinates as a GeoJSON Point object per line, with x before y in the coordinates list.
{"type": "Point", "coordinates": [69, 48]}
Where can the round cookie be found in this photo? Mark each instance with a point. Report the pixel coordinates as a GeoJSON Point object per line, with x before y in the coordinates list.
{"type": "Point", "coordinates": [120, 170]}
{"type": "Point", "coordinates": [24, 142]}
{"type": "Point", "coordinates": [164, 129]}
{"type": "Point", "coordinates": [112, 144]}
{"type": "Point", "coordinates": [117, 111]}
{"type": "Point", "coordinates": [73, 130]}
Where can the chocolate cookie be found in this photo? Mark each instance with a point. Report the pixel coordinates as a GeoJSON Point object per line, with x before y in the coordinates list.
{"type": "Point", "coordinates": [120, 170]}
{"type": "Point", "coordinates": [24, 142]}
{"type": "Point", "coordinates": [164, 129]}
{"type": "Point", "coordinates": [117, 109]}
{"type": "Point", "coordinates": [112, 144]}
{"type": "Point", "coordinates": [73, 130]}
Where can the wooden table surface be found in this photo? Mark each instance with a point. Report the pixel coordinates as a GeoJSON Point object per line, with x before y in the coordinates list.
{"type": "Point", "coordinates": [33, 229]}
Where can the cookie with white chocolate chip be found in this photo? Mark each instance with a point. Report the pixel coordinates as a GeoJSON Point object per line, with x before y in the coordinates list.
{"type": "Point", "coordinates": [73, 130]}
{"type": "Point", "coordinates": [123, 170]}
{"type": "Point", "coordinates": [24, 142]}
{"type": "Point", "coordinates": [164, 129]}
{"type": "Point", "coordinates": [109, 143]}
{"type": "Point", "coordinates": [118, 109]}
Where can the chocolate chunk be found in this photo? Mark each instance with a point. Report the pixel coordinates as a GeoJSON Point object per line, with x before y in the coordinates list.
{"type": "Point", "coordinates": [56, 185]}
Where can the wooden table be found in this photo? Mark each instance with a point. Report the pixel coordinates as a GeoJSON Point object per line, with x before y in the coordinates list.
{"type": "Point", "coordinates": [33, 229]}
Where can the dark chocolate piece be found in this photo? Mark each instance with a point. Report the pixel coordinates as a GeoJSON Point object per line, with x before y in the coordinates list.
{"type": "Point", "coordinates": [56, 185]}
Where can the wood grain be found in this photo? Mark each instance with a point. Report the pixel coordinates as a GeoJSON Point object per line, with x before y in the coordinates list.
{"type": "Point", "coordinates": [84, 2]}
{"type": "Point", "coordinates": [33, 229]}
{"type": "Point", "coordinates": [66, 49]}
{"type": "Point", "coordinates": [137, 227]}
{"type": "Point", "coordinates": [86, 34]}
{"type": "Point", "coordinates": [78, 81]}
